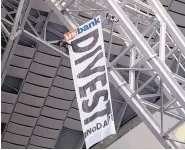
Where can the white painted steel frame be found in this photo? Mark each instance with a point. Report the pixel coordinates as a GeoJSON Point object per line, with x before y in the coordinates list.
{"type": "Point", "coordinates": [137, 106]}
{"type": "Point", "coordinates": [155, 62]}
{"type": "Point", "coordinates": [14, 35]}
{"type": "Point", "coordinates": [148, 53]}
{"type": "Point", "coordinates": [138, 46]}
{"type": "Point", "coordinates": [133, 35]}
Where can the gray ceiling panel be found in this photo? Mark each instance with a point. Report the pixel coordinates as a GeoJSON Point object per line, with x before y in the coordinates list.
{"type": "Point", "coordinates": [19, 129]}
{"type": "Point", "coordinates": [45, 132]}
{"type": "Point", "coordinates": [65, 72]}
{"type": "Point", "coordinates": [53, 113]}
{"type": "Point", "coordinates": [178, 18]}
{"type": "Point", "coordinates": [43, 70]}
{"type": "Point", "coordinates": [27, 110]}
{"type": "Point", "coordinates": [5, 117]}
{"type": "Point", "coordinates": [24, 51]}
{"type": "Point", "coordinates": [50, 123]}
{"type": "Point", "coordinates": [6, 145]}
{"type": "Point", "coordinates": [43, 142]}
{"type": "Point", "coordinates": [43, 48]}
{"type": "Point", "coordinates": [73, 124]}
{"type": "Point", "coordinates": [35, 90]}
{"type": "Point", "coordinates": [62, 93]}
{"type": "Point", "coordinates": [166, 2]}
{"type": "Point", "coordinates": [34, 147]}
{"type": "Point", "coordinates": [74, 104]}
{"type": "Point", "coordinates": [46, 59]}
{"type": "Point", "coordinates": [74, 113]}
{"type": "Point", "coordinates": [8, 97]}
{"type": "Point", "coordinates": [31, 100]}
{"type": "Point", "coordinates": [23, 120]}
{"type": "Point", "coordinates": [17, 139]}
{"type": "Point", "coordinates": [38, 80]}
{"type": "Point", "coordinates": [66, 62]}
{"type": "Point", "coordinates": [58, 103]}
{"type": "Point", "coordinates": [20, 62]}
{"type": "Point", "coordinates": [6, 108]}
{"type": "Point", "coordinates": [178, 7]}
{"type": "Point", "coordinates": [17, 72]}
{"type": "Point", "coordinates": [64, 83]}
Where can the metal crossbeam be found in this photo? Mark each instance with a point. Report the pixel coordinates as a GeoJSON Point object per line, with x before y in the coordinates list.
{"type": "Point", "coordinates": [148, 52]}
{"type": "Point", "coordinates": [138, 107]}
{"type": "Point", "coordinates": [31, 36]}
{"type": "Point", "coordinates": [12, 34]}
{"type": "Point", "coordinates": [145, 55]}
{"type": "Point", "coordinates": [172, 27]}
{"type": "Point", "coordinates": [17, 26]}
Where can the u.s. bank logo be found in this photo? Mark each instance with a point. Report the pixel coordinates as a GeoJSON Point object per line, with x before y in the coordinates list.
{"type": "Point", "coordinates": [72, 34]}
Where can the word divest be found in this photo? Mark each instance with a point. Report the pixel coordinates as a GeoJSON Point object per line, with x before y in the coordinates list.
{"type": "Point", "coordinates": [88, 63]}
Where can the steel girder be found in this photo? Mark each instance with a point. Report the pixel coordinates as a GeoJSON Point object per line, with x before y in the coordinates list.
{"type": "Point", "coordinates": [137, 46]}
{"type": "Point", "coordinates": [151, 55]}
{"type": "Point", "coordinates": [13, 31]}
{"type": "Point", "coordinates": [152, 61]}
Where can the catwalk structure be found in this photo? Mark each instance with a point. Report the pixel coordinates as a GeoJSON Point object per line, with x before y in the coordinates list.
{"type": "Point", "coordinates": [145, 52]}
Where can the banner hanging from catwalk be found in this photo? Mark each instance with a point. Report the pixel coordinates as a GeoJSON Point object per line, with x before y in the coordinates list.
{"type": "Point", "coordinates": [90, 77]}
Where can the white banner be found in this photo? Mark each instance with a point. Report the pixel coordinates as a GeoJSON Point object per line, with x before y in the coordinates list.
{"type": "Point", "coordinates": [90, 77]}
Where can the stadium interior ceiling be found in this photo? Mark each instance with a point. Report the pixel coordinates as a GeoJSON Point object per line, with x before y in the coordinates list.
{"type": "Point", "coordinates": [38, 103]}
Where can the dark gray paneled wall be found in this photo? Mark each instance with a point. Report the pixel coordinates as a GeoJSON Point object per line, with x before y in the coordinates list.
{"type": "Point", "coordinates": [45, 102]}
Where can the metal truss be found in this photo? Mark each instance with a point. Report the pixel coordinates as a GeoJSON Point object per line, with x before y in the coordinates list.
{"type": "Point", "coordinates": [12, 28]}
{"type": "Point", "coordinates": [154, 45]}
{"type": "Point", "coordinates": [41, 35]}
{"type": "Point", "coordinates": [150, 41]}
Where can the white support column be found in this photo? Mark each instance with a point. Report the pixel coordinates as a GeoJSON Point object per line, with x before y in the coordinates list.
{"type": "Point", "coordinates": [12, 34]}
{"type": "Point", "coordinates": [135, 40]}
{"type": "Point", "coordinates": [137, 106]}
{"type": "Point", "coordinates": [17, 27]}
{"type": "Point", "coordinates": [161, 69]}
{"type": "Point", "coordinates": [132, 72]}
{"type": "Point", "coordinates": [172, 27]}
{"type": "Point", "coordinates": [162, 46]}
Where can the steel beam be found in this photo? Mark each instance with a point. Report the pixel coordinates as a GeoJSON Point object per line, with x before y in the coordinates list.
{"type": "Point", "coordinates": [5, 30]}
{"type": "Point", "coordinates": [35, 38]}
{"type": "Point", "coordinates": [137, 106]}
{"type": "Point", "coordinates": [11, 37]}
{"type": "Point", "coordinates": [174, 31]}
{"type": "Point", "coordinates": [127, 30]}
{"type": "Point", "coordinates": [18, 25]}
{"type": "Point", "coordinates": [156, 107]}
{"type": "Point", "coordinates": [174, 127]}
{"type": "Point", "coordinates": [147, 51]}
{"type": "Point", "coordinates": [70, 25]}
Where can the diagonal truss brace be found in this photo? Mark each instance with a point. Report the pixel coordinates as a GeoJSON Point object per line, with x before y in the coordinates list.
{"type": "Point", "coordinates": [172, 28]}
{"type": "Point", "coordinates": [16, 31]}
{"type": "Point", "coordinates": [152, 59]}
{"type": "Point", "coordinates": [136, 105]}
{"type": "Point", "coordinates": [156, 63]}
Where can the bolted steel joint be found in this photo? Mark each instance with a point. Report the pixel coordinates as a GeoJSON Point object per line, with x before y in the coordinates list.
{"type": "Point", "coordinates": [64, 43]}
{"type": "Point", "coordinates": [111, 18]}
